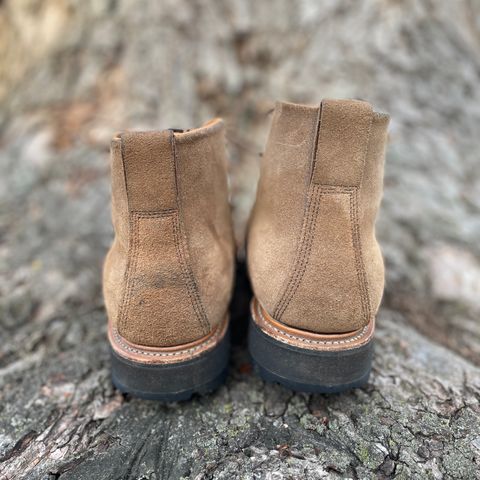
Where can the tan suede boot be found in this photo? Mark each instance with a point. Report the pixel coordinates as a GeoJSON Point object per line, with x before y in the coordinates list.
{"type": "Point", "coordinates": [168, 275]}
{"type": "Point", "coordinates": [315, 265]}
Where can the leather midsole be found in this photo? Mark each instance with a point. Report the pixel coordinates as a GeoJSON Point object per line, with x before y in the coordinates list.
{"type": "Point", "coordinates": [310, 340]}
{"type": "Point", "coordinates": [165, 355]}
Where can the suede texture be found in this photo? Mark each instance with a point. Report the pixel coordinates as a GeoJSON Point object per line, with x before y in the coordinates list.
{"type": "Point", "coordinates": [276, 218]}
{"type": "Point", "coordinates": [313, 257]}
{"type": "Point", "coordinates": [206, 216]}
{"type": "Point", "coordinates": [166, 283]}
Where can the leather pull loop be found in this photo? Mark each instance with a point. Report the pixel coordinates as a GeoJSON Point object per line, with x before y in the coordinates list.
{"type": "Point", "coordinates": [149, 164]}
{"type": "Point", "coordinates": [342, 142]}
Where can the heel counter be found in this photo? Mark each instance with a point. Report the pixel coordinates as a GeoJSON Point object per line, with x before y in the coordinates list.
{"type": "Point", "coordinates": [327, 290]}
{"type": "Point", "coordinates": [205, 215]}
{"type": "Point", "coordinates": [328, 286]}
{"type": "Point", "coordinates": [159, 306]}
{"type": "Point", "coordinates": [158, 303]}
{"type": "Point", "coordinates": [375, 273]}
{"type": "Point", "coordinates": [115, 264]}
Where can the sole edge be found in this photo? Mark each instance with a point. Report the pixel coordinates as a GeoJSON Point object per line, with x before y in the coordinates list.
{"type": "Point", "coordinates": [173, 381]}
{"type": "Point", "coordinates": [310, 371]}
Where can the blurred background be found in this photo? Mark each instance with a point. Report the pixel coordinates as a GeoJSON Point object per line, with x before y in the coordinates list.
{"type": "Point", "coordinates": [72, 73]}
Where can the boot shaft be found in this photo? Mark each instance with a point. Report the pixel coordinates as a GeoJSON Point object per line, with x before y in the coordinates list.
{"type": "Point", "coordinates": [169, 273]}
{"type": "Point", "coordinates": [313, 258]}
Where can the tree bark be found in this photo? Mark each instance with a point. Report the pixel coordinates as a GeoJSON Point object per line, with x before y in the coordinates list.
{"type": "Point", "coordinates": [74, 72]}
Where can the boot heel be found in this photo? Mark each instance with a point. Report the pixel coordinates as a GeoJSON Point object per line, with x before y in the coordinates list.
{"type": "Point", "coordinates": [166, 375]}
{"type": "Point", "coordinates": [309, 363]}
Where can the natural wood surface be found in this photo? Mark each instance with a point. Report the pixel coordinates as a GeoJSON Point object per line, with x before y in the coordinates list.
{"type": "Point", "coordinates": [73, 72]}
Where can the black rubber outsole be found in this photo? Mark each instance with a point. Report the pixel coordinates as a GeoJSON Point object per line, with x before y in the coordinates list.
{"type": "Point", "coordinates": [172, 382]}
{"type": "Point", "coordinates": [306, 370]}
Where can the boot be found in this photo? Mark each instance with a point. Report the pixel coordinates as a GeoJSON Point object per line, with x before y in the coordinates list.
{"type": "Point", "coordinates": [314, 262]}
{"type": "Point", "coordinates": [168, 275]}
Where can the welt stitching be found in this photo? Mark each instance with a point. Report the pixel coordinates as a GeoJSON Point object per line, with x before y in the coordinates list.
{"type": "Point", "coordinates": [126, 347]}
{"type": "Point", "coordinates": [189, 280]}
{"type": "Point", "coordinates": [362, 278]}
{"type": "Point", "coordinates": [304, 250]}
{"type": "Point", "coordinates": [306, 340]}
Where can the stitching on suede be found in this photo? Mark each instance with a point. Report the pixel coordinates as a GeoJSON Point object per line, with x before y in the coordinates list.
{"type": "Point", "coordinates": [357, 244]}
{"type": "Point", "coordinates": [163, 213]}
{"type": "Point", "coordinates": [336, 189]}
{"type": "Point", "coordinates": [182, 267]}
{"type": "Point", "coordinates": [182, 250]}
{"type": "Point", "coordinates": [310, 236]}
{"type": "Point", "coordinates": [307, 239]}
{"type": "Point", "coordinates": [303, 253]}
{"type": "Point", "coordinates": [366, 147]}
{"type": "Point", "coordinates": [298, 258]}
{"type": "Point", "coordinates": [306, 340]}
{"type": "Point", "coordinates": [307, 235]}
{"type": "Point", "coordinates": [189, 280]}
{"type": "Point", "coordinates": [126, 347]}
{"type": "Point", "coordinates": [357, 248]}
{"type": "Point", "coordinates": [124, 170]}
{"type": "Point", "coordinates": [132, 256]}
{"type": "Point", "coordinates": [120, 313]}
{"type": "Point", "coordinates": [306, 225]}
{"type": "Point", "coordinates": [313, 154]}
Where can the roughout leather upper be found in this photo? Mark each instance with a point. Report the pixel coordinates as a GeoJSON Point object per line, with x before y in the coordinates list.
{"type": "Point", "coordinates": [313, 258]}
{"type": "Point", "coordinates": [168, 275]}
